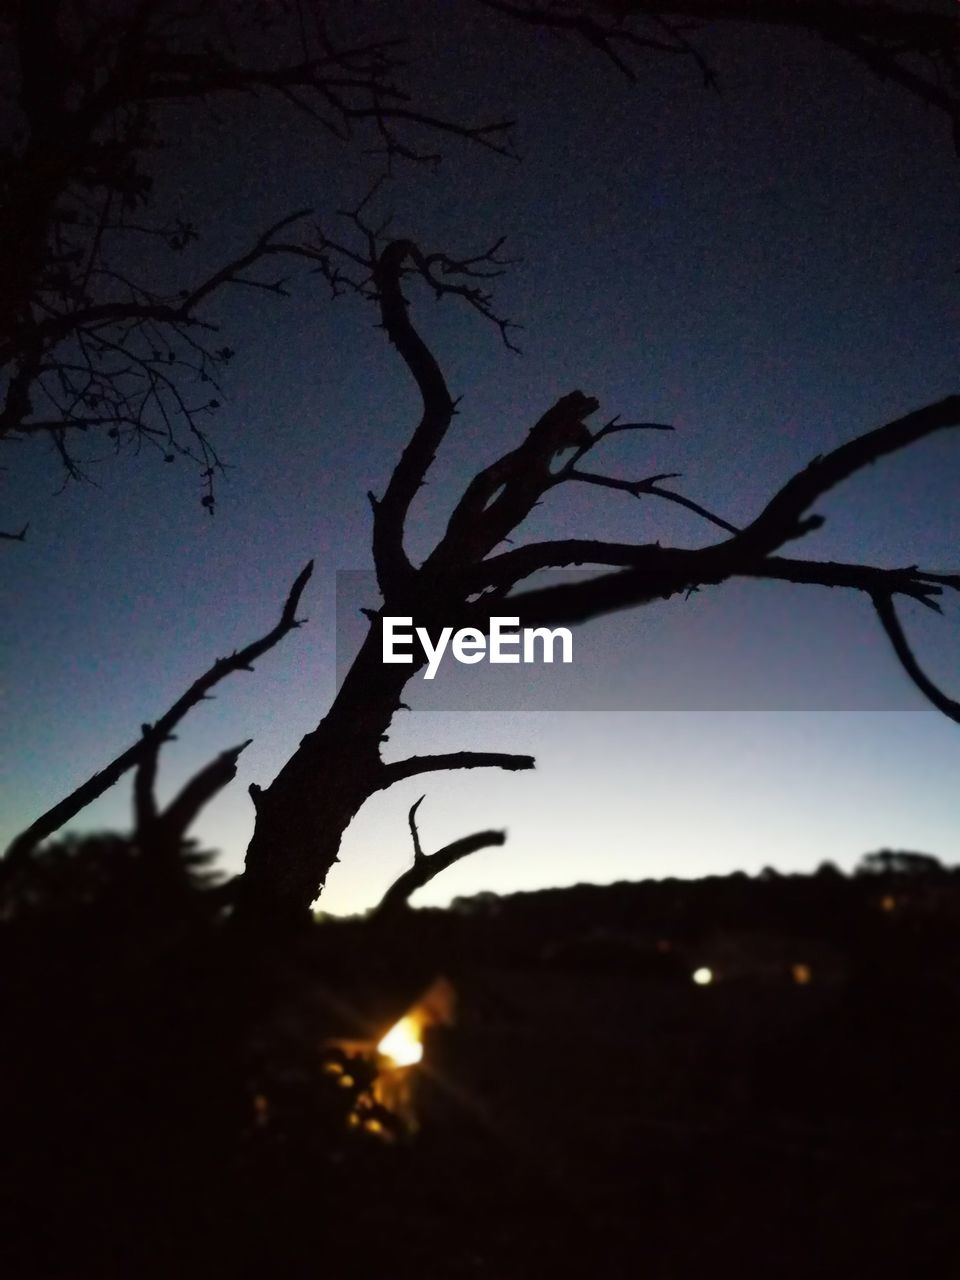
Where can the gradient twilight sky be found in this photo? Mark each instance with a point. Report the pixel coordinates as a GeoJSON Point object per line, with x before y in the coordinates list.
{"type": "Point", "coordinates": [773, 270]}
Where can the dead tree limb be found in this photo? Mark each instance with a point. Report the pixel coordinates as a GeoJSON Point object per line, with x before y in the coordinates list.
{"type": "Point", "coordinates": [886, 611]}
{"type": "Point", "coordinates": [166, 858]}
{"type": "Point", "coordinates": [466, 579]}
{"type": "Point", "coordinates": [400, 769]}
{"type": "Point", "coordinates": [89, 346]}
{"type": "Point", "coordinates": [153, 736]}
{"type": "Point", "coordinates": [427, 866]}
{"type": "Point", "coordinates": [917, 49]}
{"type": "Point", "coordinates": [144, 782]}
{"type": "Point", "coordinates": [172, 824]}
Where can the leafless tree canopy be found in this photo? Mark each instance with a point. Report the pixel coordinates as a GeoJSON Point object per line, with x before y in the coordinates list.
{"type": "Point", "coordinates": [89, 345]}
{"type": "Point", "coordinates": [85, 347]}
{"type": "Point", "coordinates": [915, 48]}
{"type": "Point", "coordinates": [465, 579]}
{"type": "Point", "coordinates": [302, 815]}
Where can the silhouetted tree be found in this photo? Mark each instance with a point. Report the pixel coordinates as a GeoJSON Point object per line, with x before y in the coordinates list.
{"type": "Point", "coordinates": [899, 864]}
{"type": "Point", "coordinates": [171, 1038]}
{"type": "Point", "coordinates": [91, 344]}
{"type": "Point", "coordinates": [116, 75]}
{"type": "Point", "coordinates": [915, 48]}
{"type": "Point", "coordinates": [302, 815]}
{"type": "Point", "coordinates": [466, 578]}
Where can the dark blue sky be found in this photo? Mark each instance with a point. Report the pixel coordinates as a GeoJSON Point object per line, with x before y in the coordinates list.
{"type": "Point", "coordinates": [773, 270]}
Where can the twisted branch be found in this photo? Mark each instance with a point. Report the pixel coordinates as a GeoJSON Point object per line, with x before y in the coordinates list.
{"type": "Point", "coordinates": [381, 278]}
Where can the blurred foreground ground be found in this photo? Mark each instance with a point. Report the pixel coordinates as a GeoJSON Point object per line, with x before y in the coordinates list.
{"type": "Point", "coordinates": [593, 1111]}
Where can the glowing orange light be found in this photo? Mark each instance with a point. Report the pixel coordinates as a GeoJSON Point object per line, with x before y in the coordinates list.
{"type": "Point", "coordinates": [888, 902]}
{"type": "Point", "coordinates": [802, 974]}
{"type": "Point", "coordinates": [402, 1043]}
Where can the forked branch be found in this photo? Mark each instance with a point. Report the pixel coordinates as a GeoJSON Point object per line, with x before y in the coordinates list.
{"type": "Point", "coordinates": [381, 276]}
{"type": "Point", "coordinates": [466, 580]}
{"type": "Point", "coordinates": [427, 866]}
{"type": "Point", "coordinates": [165, 832]}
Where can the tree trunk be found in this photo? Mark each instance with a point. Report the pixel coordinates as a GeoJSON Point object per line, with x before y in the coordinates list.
{"type": "Point", "coordinates": [302, 815]}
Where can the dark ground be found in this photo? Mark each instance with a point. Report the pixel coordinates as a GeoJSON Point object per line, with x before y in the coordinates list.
{"type": "Point", "coordinates": [591, 1112]}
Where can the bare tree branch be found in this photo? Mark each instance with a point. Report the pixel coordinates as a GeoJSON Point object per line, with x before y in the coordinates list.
{"type": "Point", "coordinates": [437, 408]}
{"type": "Point", "coordinates": [415, 765]}
{"type": "Point", "coordinates": [780, 521]}
{"type": "Point", "coordinates": [418, 854]}
{"type": "Point", "coordinates": [97, 315]}
{"type": "Point", "coordinates": [161, 731]}
{"type": "Point", "coordinates": [913, 582]}
{"type": "Point", "coordinates": [302, 815]}
{"type": "Point", "coordinates": [503, 571]}
{"type": "Point", "coordinates": [381, 278]}
{"type": "Point", "coordinates": [195, 794]}
{"type": "Point", "coordinates": [85, 342]}
{"type": "Point", "coordinates": [144, 782]}
{"type": "Point", "coordinates": [919, 49]}
{"type": "Point", "coordinates": [677, 569]}
{"type": "Point", "coordinates": [425, 867]}
{"type": "Point", "coordinates": [886, 612]}
{"type": "Point", "coordinates": [650, 487]}
{"type": "Point", "coordinates": [170, 75]}
{"type": "Point", "coordinates": [500, 497]}
{"type": "Point", "coordinates": [655, 573]}
{"type": "Point", "coordinates": [602, 35]}
{"type": "Point", "coordinates": [161, 837]}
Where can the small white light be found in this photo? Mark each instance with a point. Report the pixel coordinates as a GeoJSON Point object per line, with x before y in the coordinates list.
{"type": "Point", "coordinates": [703, 977]}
